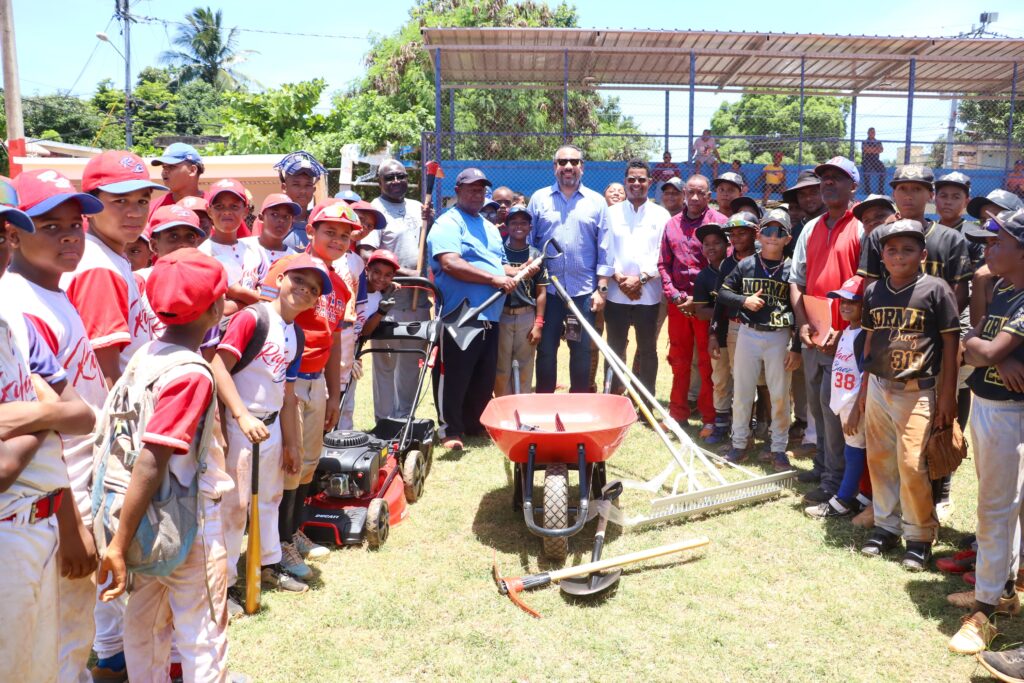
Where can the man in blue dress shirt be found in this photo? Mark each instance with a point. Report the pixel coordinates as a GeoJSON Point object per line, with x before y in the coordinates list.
{"type": "Point", "coordinates": [575, 216]}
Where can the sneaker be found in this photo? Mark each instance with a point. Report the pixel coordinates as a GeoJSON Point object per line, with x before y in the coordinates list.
{"type": "Point", "coordinates": [780, 463]}
{"type": "Point", "coordinates": [110, 669]}
{"type": "Point", "coordinates": [976, 632]}
{"type": "Point", "coordinates": [861, 503]}
{"type": "Point", "coordinates": [809, 477]}
{"type": "Point", "coordinates": [718, 435]}
{"type": "Point", "coordinates": [707, 430]}
{"type": "Point", "coordinates": [959, 563]}
{"type": "Point", "coordinates": [865, 518]}
{"type": "Point", "coordinates": [736, 455]}
{"type": "Point", "coordinates": [307, 548]}
{"type": "Point", "coordinates": [235, 600]}
{"type": "Point", "coordinates": [291, 562]}
{"type": "Point", "coordinates": [275, 576]}
{"type": "Point", "coordinates": [796, 430]}
{"type": "Point", "coordinates": [765, 454]}
{"type": "Point", "coordinates": [918, 554]}
{"type": "Point", "coordinates": [881, 542]}
{"type": "Point", "coordinates": [965, 600]}
{"type": "Point", "coordinates": [833, 507]}
{"type": "Point", "coordinates": [805, 450]}
{"type": "Point", "coordinates": [968, 542]}
{"type": "Point", "coordinates": [1007, 665]}
{"type": "Point", "coordinates": [453, 443]}
{"type": "Point", "coordinates": [944, 511]}
{"type": "Point", "coordinates": [817, 495]}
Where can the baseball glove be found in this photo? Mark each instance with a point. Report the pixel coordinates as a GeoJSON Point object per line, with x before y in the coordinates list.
{"type": "Point", "coordinates": [945, 450]}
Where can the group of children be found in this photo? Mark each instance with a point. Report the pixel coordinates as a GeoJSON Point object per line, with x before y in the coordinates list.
{"type": "Point", "coordinates": [221, 344]}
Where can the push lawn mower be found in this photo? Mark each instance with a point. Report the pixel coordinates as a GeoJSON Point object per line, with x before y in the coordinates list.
{"type": "Point", "coordinates": [364, 480]}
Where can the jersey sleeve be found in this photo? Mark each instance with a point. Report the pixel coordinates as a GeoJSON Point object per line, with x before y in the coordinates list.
{"type": "Point", "coordinates": [41, 360]}
{"type": "Point", "coordinates": [1015, 323]}
{"type": "Point", "coordinates": [946, 312]}
{"type": "Point", "coordinates": [101, 298]}
{"type": "Point", "coordinates": [958, 266]}
{"type": "Point", "coordinates": [241, 327]}
{"type": "Point", "coordinates": [866, 322]}
{"type": "Point", "coordinates": [179, 407]}
{"type": "Point", "coordinates": [701, 289]}
{"type": "Point", "coordinates": [871, 258]}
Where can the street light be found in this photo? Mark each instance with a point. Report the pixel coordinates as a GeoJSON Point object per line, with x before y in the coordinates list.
{"type": "Point", "coordinates": [122, 6]}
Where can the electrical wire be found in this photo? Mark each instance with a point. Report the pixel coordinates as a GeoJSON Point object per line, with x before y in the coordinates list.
{"type": "Point", "coordinates": [336, 36]}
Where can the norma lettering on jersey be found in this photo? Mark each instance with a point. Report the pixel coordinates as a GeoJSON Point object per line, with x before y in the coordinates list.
{"type": "Point", "coordinates": [898, 318]}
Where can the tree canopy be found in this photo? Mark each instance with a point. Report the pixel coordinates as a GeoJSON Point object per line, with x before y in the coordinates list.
{"type": "Point", "coordinates": [207, 51]}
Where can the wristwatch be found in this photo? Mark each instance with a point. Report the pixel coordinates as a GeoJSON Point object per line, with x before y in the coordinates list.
{"type": "Point", "coordinates": [603, 289]}
{"type": "Point", "coordinates": [643, 278]}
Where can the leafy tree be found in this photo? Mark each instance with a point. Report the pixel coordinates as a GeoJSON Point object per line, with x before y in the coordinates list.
{"type": "Point", "coordinates": [207, 51]}
{"type": "Point", "coordinates": [990, 119]}
{"type": "Point", "coordinates": [63, 117]}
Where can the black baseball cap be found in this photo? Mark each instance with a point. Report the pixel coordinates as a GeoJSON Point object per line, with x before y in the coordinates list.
{"type": "Point", "coordinates": [1004, 199]}
{"type": "Point", "coordinates": [903, 227]}
{"type": "Point", "coordinates": [872, 201]}
{"type": "Point", "coordinates": [1011, 222]}
{"type": "Point", "coordinates": [913, 173]}
{"type": "Point", "coordinates": [711, 229]}
{"type": "Point", "coordinates": [728, 177]}
{"type": "Point", "coordinates": [956, 178]}
{"type": "Point", "coordinates": [471, 175]}
{"type": "Point", "coordinates": [746, 201]}
{"type": "Point", "coordinates": [780, 217]}
{"type": "Point", "coordinates": [806, 178]}
{"type": "Point", "coordinates": [741, 219]}
{"type": "Point", "coordinates": [677, 183]}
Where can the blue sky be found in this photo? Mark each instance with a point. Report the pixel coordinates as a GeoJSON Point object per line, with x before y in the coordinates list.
{"type": "Point", "coordinates": [62, 53]}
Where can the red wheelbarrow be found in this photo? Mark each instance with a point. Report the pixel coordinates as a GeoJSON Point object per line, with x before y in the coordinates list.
{"type": "Point", "coordinates": [556, 433]}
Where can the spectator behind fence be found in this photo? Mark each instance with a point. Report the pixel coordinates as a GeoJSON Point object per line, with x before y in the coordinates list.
{"type": "Point", "coordinates": [773, 176]}
{"type": "Point", "coordinates": [663, 172]}
{"type": "Point", "coordinates": [871, 164]}
{"type": "Point", "coordinates": [705, 151]}
{"type": "Point", "coordinates": [737, 168]}
{"type": "Point", "coordinates": [1015, 179]}
{"type": "Point", "coordinates": [635, 227]}
{"type": "Point", "coordinates": [577, 217]}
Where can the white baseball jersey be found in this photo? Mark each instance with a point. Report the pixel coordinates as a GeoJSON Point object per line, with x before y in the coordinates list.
{"type": "Point", "coordinates": [106, 296]}
{"type": "Point", "coordinates": [846, 377]}
{"type": "Point", "coordinates": [261, 383]}
{"type": "Point", "coordinates": [272, 255]}
{"type": "Point", "coordinates": [244, 264]}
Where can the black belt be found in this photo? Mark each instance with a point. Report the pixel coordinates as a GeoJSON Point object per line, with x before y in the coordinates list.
{"type": "Point", "coordinates": [764, 328]}
{"type": "Point", "coordinates": [910, 385]}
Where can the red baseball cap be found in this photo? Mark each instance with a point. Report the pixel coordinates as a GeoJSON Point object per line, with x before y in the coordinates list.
{"type": "Point", "coordinates": [306, 262]}
{"type": "Point", "coordinates": [197, 204]}
{"type": "Point", "coordinates": [384, 256]}
{"type": "Point", "coordinates": [117, 172]}
{"type": "Point", "coordinates": [335, 211]}
{"type": "Point", "coordinates": [280, 199]}
{"type": "Point", "coordinates": [229, 185]}
{"type": "Point", "coordinates": [171, 216]}
{"type": "Point", "coordinates": [363, 205]}
{"type": "Point", "coordinates": [44, 189]}
{"type": "Point", "coordinates": [852, 290]}
{"type": "Point", "coordinates": [184, 284]}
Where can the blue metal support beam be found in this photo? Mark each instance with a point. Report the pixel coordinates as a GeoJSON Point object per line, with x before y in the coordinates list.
{"type": "Point", "coordinates": [693, 84]}
{"type": "Point", "coordinates": [853, 130]}
{"type": "Point", "coordinates": [666, 122]}
{"type": "Point", "coordinates": [800, 154]}
{"type": "Point", "coordinates": [437, 122]}
{"type": "Point", "coordinates": [910, 111]}
{"type": "Point", "coordinates": [565, 100]}
{"type": "Point", "coordinates": [451, 122]}
{"type": "Point", "coordinates": [1009, 128]}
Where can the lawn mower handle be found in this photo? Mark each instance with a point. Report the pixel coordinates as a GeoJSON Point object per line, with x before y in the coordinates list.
{"type": "Point", "coordinates": [424, 283]}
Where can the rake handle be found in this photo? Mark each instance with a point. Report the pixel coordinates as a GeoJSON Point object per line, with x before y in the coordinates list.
{"type": "Point", "coordinates": [628, 558]}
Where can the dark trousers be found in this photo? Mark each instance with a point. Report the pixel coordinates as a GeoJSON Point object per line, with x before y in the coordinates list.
{"type": "Point", "coordinates": [618, 318]}
{"type": "Point", "coordinates": [464, 381]}
{"type": "Point", "coordinates": [829, 459]}
{"type": "Point", "coordinates": [579, 351]}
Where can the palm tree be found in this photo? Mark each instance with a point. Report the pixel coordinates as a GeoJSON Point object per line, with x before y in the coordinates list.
{"type": "Point", "coordinates": [207, 51]}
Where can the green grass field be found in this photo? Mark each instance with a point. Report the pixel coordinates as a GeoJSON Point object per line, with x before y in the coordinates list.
{"type": "Point", "coordinates": [774, 597]}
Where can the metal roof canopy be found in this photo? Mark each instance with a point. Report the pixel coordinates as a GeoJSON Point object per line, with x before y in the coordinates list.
{"type": "Point", "coordinates": [723, 61]}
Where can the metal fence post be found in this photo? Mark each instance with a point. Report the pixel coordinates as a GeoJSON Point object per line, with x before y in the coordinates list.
{"type": "Point", "coordinates": [800, 154]}
{"type": "Point", "coordinates": [565, 100]}
{"type": "Point", "coordinates": [1009, 129]}
{"type": "Point", "coordinates": [853, 131]}
{"type": "Point", "coordinates": [451, 122]}
{"type": "Point", "coordinates": [437, 123]}
{"type": "Point", "coordinates": [910, 111]}
{"type": "Point", "coordinates": [666, 121]}
{"type": "Point", "coordinates": [693, 84]}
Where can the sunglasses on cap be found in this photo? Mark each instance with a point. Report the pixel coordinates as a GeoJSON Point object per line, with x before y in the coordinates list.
{"type": "Point", "coordinates": [8, 195]}
{"type": "Point", "coordinates": [739, 223]}
{"type": "Point", "coordinates": [391, 177]}
{"type": "Point", "coordinates": [773, 231]}
{"type": "Point", "coordinates": [993, 225]}
{"type": "Point", "coordinates": [568, 162]}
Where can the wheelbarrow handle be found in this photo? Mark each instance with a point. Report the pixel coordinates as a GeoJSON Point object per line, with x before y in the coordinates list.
{"type": "Point", "coordinates": [532, 525]}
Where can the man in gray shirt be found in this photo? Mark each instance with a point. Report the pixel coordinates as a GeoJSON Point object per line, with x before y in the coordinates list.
{"type": "Point", "coordinates": [395, 374]}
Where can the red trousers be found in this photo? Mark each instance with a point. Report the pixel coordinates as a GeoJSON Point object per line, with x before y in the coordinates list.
{"type": "Point", "coordinates": [683, 333]}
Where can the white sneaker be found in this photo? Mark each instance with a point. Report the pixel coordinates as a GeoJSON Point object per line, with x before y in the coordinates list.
{"type": "Point", "coordinates": [307, 548]}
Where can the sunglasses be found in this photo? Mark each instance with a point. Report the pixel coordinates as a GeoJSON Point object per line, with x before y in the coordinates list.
{"type": "Point", "coordinates": [773, 231]}
{"type": "Point", "coordinates": [993, 225]}
{"type": "Point", "coordinates": [634, 180]}
{"type": "Point", "coordinates": [391, 177]}
{"type": "Point", "coordinates": [569, 162]}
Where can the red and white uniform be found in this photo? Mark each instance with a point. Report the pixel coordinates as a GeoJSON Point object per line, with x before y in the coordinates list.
{"type": "Point", "coordinates": [272, 255]}
{"type": "Point", "coordinates": [846, 379]}
{"type": "Point", "coordinates": [107, 297]}
{"type": "Point", "coordinates": [177, 605]}
{"type": "Point", "coordinates": [244, 264]}
{"type": "Point", "coordinates": [29, 646]}
{"type": "Point", "coordinates": [261, 387]}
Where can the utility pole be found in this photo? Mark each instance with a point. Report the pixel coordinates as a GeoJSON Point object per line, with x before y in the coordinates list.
{"type": "Point", "coordinates": [123, 15]}
{"type": "Point", "coordinates": [975, 32]}
{"type": "Point", "coordinates": [12, 88]}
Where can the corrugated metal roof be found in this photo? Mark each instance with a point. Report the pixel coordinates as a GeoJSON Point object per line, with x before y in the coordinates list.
{"type": "Point", "coordinates": [733, 60]}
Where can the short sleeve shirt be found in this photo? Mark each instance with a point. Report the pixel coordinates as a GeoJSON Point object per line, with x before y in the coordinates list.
{"type": "Point", "coordinates": [948, 256]}
{"type": "Point", "coordinates": [478, 242]}
{"type": "Point", "coordinates": [271, 255]}
{"type": "Point", "coordinates": [1005, 314]}
{"type": "Point", "coordinates": [244, 264]}
{"type": "Point", "coordinates": [705, 286]}
{"type": "Point", "coordinates": [525, 293]}
{"type": "Point", "coordinates": [906, 327]}
{"type": "Point", "coordinates": [401, 236]}
{"type": "Point", "coordinates": [261, 383]}
{"type": "Point", "coordinates": [771, 278]}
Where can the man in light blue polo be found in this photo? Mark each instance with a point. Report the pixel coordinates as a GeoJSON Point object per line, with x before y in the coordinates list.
{"type": "Point", "coordinates": [467, 258]}
{"type": "Point", "coordinates": [180, 167]}
{"type": "Point", "coordinates": [576, 217]}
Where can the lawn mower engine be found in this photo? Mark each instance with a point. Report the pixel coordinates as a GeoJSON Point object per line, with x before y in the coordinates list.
{"type": "Point", "coordinates": [346, 492]}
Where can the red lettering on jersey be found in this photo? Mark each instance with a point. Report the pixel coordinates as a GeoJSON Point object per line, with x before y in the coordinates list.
{"type": "Point", "coordinates": [84, 359]}
{"type": "Point", "coordinates": [275, 358]}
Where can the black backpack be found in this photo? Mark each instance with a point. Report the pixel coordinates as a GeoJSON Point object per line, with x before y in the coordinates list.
{"type": "Point", "coordinates": [259, 337]}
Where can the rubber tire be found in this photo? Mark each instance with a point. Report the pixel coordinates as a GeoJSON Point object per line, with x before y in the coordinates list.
{"type": "Point", "coordinates": [428, 456]}
{"type": "Point", "coordinates": [414, 473]}
{"type": "Point", "coordinates": [378, 523]}
{"type": "Point", "coordinates": [556, 510]}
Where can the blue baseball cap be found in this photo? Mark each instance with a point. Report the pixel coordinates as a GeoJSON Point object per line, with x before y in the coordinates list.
{"type": "Point", "coordinates": [518, 211]}
{"type": "Point", "coordinates": [9, 210]}
{"type": "Point", "coordinates": [177, 153]}
{"type": "Point", "coordinates": [348, 196]}
{"type": "Point", "coordinates": [841, 163]}
{"type": "Point", "coordinates": [301, 162]}
{"type": "Point", "coordinates": [471, 175]}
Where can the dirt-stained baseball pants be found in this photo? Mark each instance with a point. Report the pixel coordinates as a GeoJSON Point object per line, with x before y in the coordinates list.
{"type": "Point", "coordinates": [235, 504]}
{"type": "Point", "coordinates": [897, 423]}
{"type": "Point", "coordinates": [76, 597]}
{"type": "Point", "coordinates": [756, 349]}
{"type": "Point", "coordinates": [348, 380]}
{"type": "Point", "coordinates": [312, 397]}
{"type": "Point", "coordinates": [395, 375]}
{"type": "Point", "coordinates": [997, 437]}
{"type": "Point", "coordinates": [28, 608]}
{"type": "Point", "coordinates": [179, 604]}
{"type": "Point", "coordinates": [513, 346]}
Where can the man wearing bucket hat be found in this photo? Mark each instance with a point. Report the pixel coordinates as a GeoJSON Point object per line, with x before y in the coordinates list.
{"type": "Point", "coordinates": [804, 199]}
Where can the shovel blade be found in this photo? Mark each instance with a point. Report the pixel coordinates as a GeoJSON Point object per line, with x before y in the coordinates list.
{"type": "Point", "coordinates": [463, 325]}
{"type": "Point", "coordinates": [591, 585]}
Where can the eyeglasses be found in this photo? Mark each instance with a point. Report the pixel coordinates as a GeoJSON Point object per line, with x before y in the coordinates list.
{"type": "Point", "coordinates": [773, 231]}
{"type": "Point", "coordinates": [632, 180]}
{"type": "Point", "coordinates": [391, 177]}
{"type": "Point", "coordinates": [569, 162]}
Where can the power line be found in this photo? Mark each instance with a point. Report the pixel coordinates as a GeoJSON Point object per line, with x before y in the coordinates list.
{"type": "Point", "coordinates": [336, 36]}
{"type": "Point", "coordinates": [89, 59]}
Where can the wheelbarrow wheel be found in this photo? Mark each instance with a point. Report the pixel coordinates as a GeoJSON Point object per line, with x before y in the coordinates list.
{"type": "Point", "coordinates": [378, 523]}
{"type": "Point", "coordinates": [556, 510]}
{"type": "Point", "coordinates": [414, 472]}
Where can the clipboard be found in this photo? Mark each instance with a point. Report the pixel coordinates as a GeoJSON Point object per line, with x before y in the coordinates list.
{"type": "Point", "coordinates": [819, 315]}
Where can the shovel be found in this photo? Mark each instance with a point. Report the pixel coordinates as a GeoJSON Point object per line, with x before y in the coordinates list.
{"type": "Point", "coordinates": [595, 583]}
{"type": "Point", "coordinates": [464, 324]}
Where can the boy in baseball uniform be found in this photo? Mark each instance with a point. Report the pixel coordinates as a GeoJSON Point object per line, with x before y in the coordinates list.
{"type": "Point", "coordinates": [244, 264]}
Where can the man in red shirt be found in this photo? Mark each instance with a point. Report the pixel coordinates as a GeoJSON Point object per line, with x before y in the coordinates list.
{"type": "Point", "coordinates": [180, 168]}
{"type": "Point", "coordinates": [680, 260]}
{"type": "Point", "coordinates": [826, 255]}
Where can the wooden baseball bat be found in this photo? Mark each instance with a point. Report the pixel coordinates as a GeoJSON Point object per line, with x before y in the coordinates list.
{"type": "Point", "coordinates": [253, 568]}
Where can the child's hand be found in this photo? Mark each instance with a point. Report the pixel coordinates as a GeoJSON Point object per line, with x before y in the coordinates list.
{"type": "Point", "coordinates": [945, 413]}
{"type": "Point", "coordinates": [1012, 372]}
{"type": "Point", "coordinates": [290, 460]}
{"type": "Point", "coordinates": [77, 549]}
{"type": "Point", "coordinates": [253, 428]}
{"type": "Point", "coordinates": [44, 392]}
{"type": "Point", "coordinates": [533, 336]}
{"type": "Point", "coordinates": [792, 361]}
{"type": "Point", "coordinates": [852, 423]}
{"type": "Point", "coordinates": [357, 368]}
{"type": "Point", "coordinates": [713, 348]}
{"type": "Point", "coordinates": [754, 302]}
{"type": "Point", "coordinates": [112, 566]}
